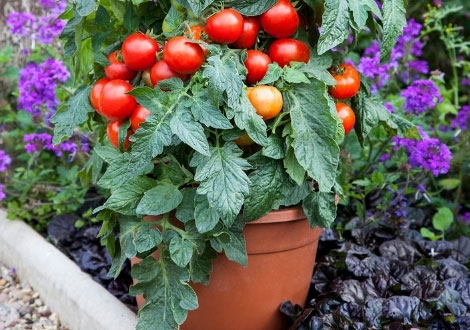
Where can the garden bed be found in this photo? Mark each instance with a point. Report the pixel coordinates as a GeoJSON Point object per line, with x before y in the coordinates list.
{"type": "Point", "coordinates": [80, 302]}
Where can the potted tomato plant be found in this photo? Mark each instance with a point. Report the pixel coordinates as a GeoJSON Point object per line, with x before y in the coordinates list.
{"type": "Point", "coordinates": [219, 131]}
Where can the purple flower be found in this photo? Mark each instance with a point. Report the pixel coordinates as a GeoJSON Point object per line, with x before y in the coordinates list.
{"type": "Point", "coordinates": [462, 120]}
{"type": "Point", "coordinates": [21, 24]}
{"type": "Point", "coordinates": [37, 84]}
{"type": "Point", "coordinates": [465, 217]}
{"type": "Point", "coordinates": [465, 81]}
{"type": "Point", "coordinates": [389, 107]}
{"type": "Point", "coordinates": [384, 158]}
{"type": "Point", "coordinates": [5, 160]}
{"type": "Point", "coordinates": [2, 193]}
{"type": "Point", "coordinates": [421, 96]}
{"type": "Point", "coordinates": [50, 27]}
{"type": "Point", "coordinates": [36, 142]}
{"type": "Point", "coordinates": [54, 6]}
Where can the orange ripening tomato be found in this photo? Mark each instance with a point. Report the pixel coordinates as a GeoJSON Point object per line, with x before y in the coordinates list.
{"type": "Point", "coordinates": [267, 100]}
{"type": "Point", "coordinates": [249, 34]}
{"type": "Point", "coordinates": [113, 134]}
{"type": "Point", "coordinates": [198, 31]}
{"type": "Point", "coordinates": [244, 141]}
{"type": "Point", "coordinates": [118, 69]}
{"type": "Point", "coordinates": [95, 94]}
{"type": "Point", "coordinates": [347, 116]}
{"type": "Point", "coordinates": [139, 116]}
{"type": "Point", "coordinates": [348, 82]}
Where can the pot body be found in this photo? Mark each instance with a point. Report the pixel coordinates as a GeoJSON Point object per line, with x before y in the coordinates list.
{"type": "Point", "coordinates": [281, 251]}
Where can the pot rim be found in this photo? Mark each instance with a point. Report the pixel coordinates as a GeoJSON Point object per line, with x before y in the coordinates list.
{"type": "Point", "coordinates": [295, 213]}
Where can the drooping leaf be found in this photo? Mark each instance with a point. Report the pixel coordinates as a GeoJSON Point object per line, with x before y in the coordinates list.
{"type": "Point", "coordinates": [314, 126]}
{"type": "Point", "coordinates": [206, 112]}
{"type": "Point", "coordinates": [205, 216]}
{"type": "Point", "coordinates": [360, 10]}
{"type": "Point", "coordinates": [196, 6]}
{"type": "Point", "coordinates": [293, 168]}
{"type": "Point", "coordinates": [162, 199]}
{"type": "Point", "coordinates": [84, 7]}
{"type": "Point", "coordinates": [223, 180]}
{"type": "Point", "coordinates": [185, 211]}
{"type": "Point", "coordinates": [147, 238]}
{"type": "Point", "coordinates": [181, 251]}
{"type": "Point", "coordinates": [394, 20]}
{"type": "Point", "coordinates": [72, 115]}
{"type": "Point", "coordinates": [251, 7]}
{"type": "Point", "coordinates": [235, 247]}
{"type": "Point", "coordinates": [189, 131]}
{"type": "Point", "coordinates": [274, 148]}
{"type": "Point", "coordinates": [335, 27]}
{"type": "Point", "coordinates": [320, 209]}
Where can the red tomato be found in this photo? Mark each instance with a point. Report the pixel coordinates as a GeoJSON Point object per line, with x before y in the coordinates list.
{"type": "Point", "coordinates": [182, 55]}
{"type": "Point", "coordinates": [249, 34]}
{"type": "Point", "coordinates": [113, 134]}
{"type": "Point", "coordinates": [96, 93]}
{"type": "Point", "coordinates": [115, 104]}
{"type": "Point", "coordinates": [225, 27]}
{"type": "Point", "coordinates": [138, 117]}
{"type": "Point", "coordinates": [117, 69]}
{"type": "Point", "coordinates": [348, 82]}
{"type": "Point", "coordinates": [139, 51]}
{"type": "Point", "coordinates": [198, 31]}
{"type": "Point", "coordinates": [346, 114]}
{"type": "Point", "coordinates": [256, 64]}
{"type": "Point", "coordinates": [161, 71]}
{"type": "Point", "coordinates": [283, 51]}
{"type": "Point", "coordinates": [281, 21]}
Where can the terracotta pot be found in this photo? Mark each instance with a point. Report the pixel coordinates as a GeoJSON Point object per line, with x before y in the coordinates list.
{"type": "Point", "coordinates": [281, 250]}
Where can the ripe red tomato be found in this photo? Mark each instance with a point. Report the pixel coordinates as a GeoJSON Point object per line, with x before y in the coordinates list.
{"type": "Point", "coordinates": [161, 71]}
{"type": "Point", "coordinates": [115, 104]}
{"type": "Point", "coordinates": [139, 51]}
{"type": "Point", "coordinates": [198, 31]}
{"type": "Point", "coordinates": [281, 21]}
{"type": "Point", "coordinates": [249, 34]}
{"type": "Point", "coordinates": [283, 51]}
{"type": "Point", "coordinates": [225, 27]}
{"type": "Point", "coordinates": [182, 55]}
{"type": "Point", "coordinates": [256, 64]}
{"type": "Point", "coordinates": [348, 82]}
{"type": "Point", "coordinates": [113, 134]}
{"type": "Point", "coordinates": [346, 114]}
{"type": "Point", "coordinates": [138, 117]}
{"type": "Point", "coordinates": [267, 100]}
{"type": "Point", "coordinates": [117, 69]}
{"type": "Point", "coordinates": [95, 94]}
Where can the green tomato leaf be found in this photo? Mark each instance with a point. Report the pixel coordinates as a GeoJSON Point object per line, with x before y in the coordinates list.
{"type": "Point", "coordinates": [127, 249]}
{"type": "Point", "coordinates": [181, 251]}
{"type": "Point", "coordinates": [274, 148]}
{"type": "Point", "coordinates": [320, 209]}
{"type": "Point", "coordinates": [206, 112]}
{"type": "Point", "coordinates": [266, 186]}
{"type": "Point", "coordinates": [200, 267]}
{"type": "Point", "coordinates": [293, 168]}
{"type": "Point", "coordinates": [251, 7]}
{"type": "Point", "coordinates": [442, 219]}
{"type": "Point", "coordinates": [169, 296]}
{"type": "Point", "coordinates": [160, 200]}
{"type": "Point", "coordinates": [294, 76]}
{"type": "Point", "coordinates": [206, 217]}
{"type": "Point", "coordinates": [125, 198]}
{"type": "Point", "coordinates": [224, 78]}
{"type": "Point", "coordinates": [147, 238]}
{"type": "Point", "coordinates": [189, 131]}
{"type": "Point", "coordinates": [195, 6]}
{"type": "Point", "coordinates": [247, 119]}
{"type": "Point", "coordinates": [294, 193]}
{"type": "Point", "coordinates": [223, 180]}
{"type": "Point", "coordinates": [234, 247]}
{"type": "Point", "coordinates": [314, 124]}
{"type": "Point", "coordinates": [84, 7]}
{"type": "Point", "coordinates": [360, 10]}
{"type": "Point", "coordinates": [273, 74]}
{"type": "Point", "coordinates": [317, 68]}
{"type": "Point", "coordinates": [394, 20]}
{"type": "Point", "coordinates": [185, 211]}
{"type": "Point", "coordinates": [335, 27]}
{"type": "Point", "coordinates": [72, 115]}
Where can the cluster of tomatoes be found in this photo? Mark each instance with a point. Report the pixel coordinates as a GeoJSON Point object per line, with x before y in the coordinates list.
{"type": "Point", "coordinates": [182, 57]}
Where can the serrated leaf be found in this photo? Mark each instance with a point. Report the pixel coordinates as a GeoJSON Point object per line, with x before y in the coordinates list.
{"type": "Point", "coordinates": [247, 119]}
{"type": "Point", "coordinates": [189, 131]}
{"type": "Point", "coordinates": [75, 113]}
{"type": "Point", "coordinates": [91, 171]}
{"type": "Point", "coordinates": [335, 27]}
{"type": "Point", "coordinates": [167, 292]}
{"type": "Point", "coordinates": [162, 199]}
{"type": "Point", "coordinates": [181, 251]}
{"type": "Point", "coordinates": [274, 148]}
{"type": "Point", "coordinates": [206, 217]}
{"type": "Point", "coordinates": [273, 74]}
{"type": "Point", "coordinates": [360, 10]}
{"type": "Point", "coordinates": [320, 209]}
{"type": "Point", "coordinates": [185, 211]}
{"type": "Point", "coordinates": [147, 238]}
{"type": "Point", "coordinates": [235, 247]}
{"type": "Point", "coordinates": [125, 198]}
{"type": "Point", "coordinates": [251, 7]}
{"type": "Point", "coordinates": [223, 180]}
{"type": "Point", "coordinates": [294, 193]}
{"type": "Point", "coordinates": [294, 76]}
{"type": "Point", "coordinates": [196, 6]}
{"type": "Point", "coordinates": [126, 249]}
{"type": "Point", "coordinates": [205, 111]}
{"type": "Point", "coordinates": [293, 168]}
{"type": "Point", "coordinates": [224, 78]}
{"type": "Point", "coordinates": [201, 266]}
{"type": "Point", "coordinates": [394, 21]}
{"type": "Point", "coordinates": [173, 20]}
{"type": "Point", "coordinates": [265, 189]}
{"type": "Point", "coordinates": [314, 126]}
{"type": "Point", "coordinates": [84, 7]}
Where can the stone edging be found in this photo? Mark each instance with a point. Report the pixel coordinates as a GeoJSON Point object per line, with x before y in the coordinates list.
{"type": "Point", "coordinates": [82, 304]}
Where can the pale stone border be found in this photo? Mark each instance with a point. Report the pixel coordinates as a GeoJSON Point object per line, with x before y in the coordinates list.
{"type": "Point", "coordinates": [80, 302]}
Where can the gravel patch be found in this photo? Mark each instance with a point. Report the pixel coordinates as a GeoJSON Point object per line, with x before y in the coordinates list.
{"type": "Point", "coordinates": [21, 308]}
